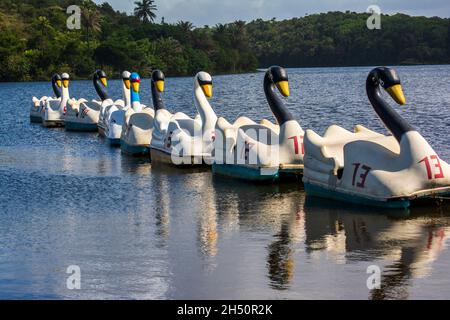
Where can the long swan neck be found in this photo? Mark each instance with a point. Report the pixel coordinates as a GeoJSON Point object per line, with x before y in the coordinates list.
{"type": "Point", "coordinates": [204, 109]}
{"type": "Point", "coordinates": [279, 110]}
{"type": "Point", "coordinates": [56, 89]}
{"type": "Point", "coordinates": [391, 119]}
{"type": "Point", "coordinates": [101, 93]}
{"type": "Point", "coordinates": [158, 103]}
{"type": "Point", "coordinates": [65, 96]}
{"type": "Point", "coordinates": [126, 95]}
{"type": "Point", "coordinates": [135, 101]}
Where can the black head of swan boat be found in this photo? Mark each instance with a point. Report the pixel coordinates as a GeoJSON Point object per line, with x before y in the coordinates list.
{"type": "Point", "coordinates": [388, 79]}
{"type": "Point", "coordinates": [100, 81]}
{"type": "Point", "coordinates": [56, 85]}
{"type": "Point", "coordinates": [277, 77]}
{"type": "Point", "coordinates": [157, 86]}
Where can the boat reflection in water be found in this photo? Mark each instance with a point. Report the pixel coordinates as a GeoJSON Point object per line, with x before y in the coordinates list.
{"type": "Point", "coordinates": [277, 209]}
{"type": "Point", "coordinates": [218, 233]}
{"type": "Point", "coordinates": [186, 194]}
{"type": "Point", "coordinates": [406, 242]}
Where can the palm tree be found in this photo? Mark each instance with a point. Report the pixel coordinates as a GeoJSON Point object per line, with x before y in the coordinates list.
{"type": "Point", "coordinates": [145, 10]}
{"type": "Point", "coordinates": [92, 22]}
{"type": "Point", "coordinates": [185, 26]}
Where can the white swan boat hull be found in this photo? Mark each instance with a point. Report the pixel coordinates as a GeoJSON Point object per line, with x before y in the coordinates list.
{"type": "Point", "coordinates": [400, 202]}
{"type": "Point", "coordinates": [37, 110]}
{"type": "Point", "coordinates": [82, 116]}
{"type": "Point", "coordinates": [378, 177]}
{"type": "Point", "coordinates": [165, 157]}
{"type": "Point", "coordinates": [137, 132]}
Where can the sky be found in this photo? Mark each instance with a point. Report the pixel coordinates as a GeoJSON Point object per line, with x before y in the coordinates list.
{"type": "Point", "coordinates": [210, 12]}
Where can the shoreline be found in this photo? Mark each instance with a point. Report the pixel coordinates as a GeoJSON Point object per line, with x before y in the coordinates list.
{"type": "Point", "coordinates": [258, 70]}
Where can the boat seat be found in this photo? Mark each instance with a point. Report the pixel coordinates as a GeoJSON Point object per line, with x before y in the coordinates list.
{"type": "Point", "coordinates": [120, 103]}
{"type": "Point", "coordinates": [230, 131]}
{"type": "Point", "coordinates": [37, 102]}
{"type": "Point", "coordinates": [92, 106]}
{"type": "Point", "coordinates": [222, 124]}
{"type": "Point", "coordinates": [189, 126]}
{"type": "Point", "coordinates": [243, 121]}
{"type": "Point", "coordinates": [53, 104]}
{"type": "Point", "coordinates": [73, 105]}
{"type": "Point", "coordinates": [272, 126]}
{"type": "Point", "coordinates": [268, 135]}
{"type": "Point", "coordinates": [331, 145]}
{"type": "Point", "coordinates": [149, 111]}
{"type": "Point", "coordinates": [141, 120]}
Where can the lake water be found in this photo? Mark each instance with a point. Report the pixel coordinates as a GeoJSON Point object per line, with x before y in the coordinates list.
{"type": "Point", "coordinates": [143, 232]}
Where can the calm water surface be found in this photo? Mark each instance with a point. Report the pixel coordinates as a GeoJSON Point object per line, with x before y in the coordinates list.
{"type": "Point", "coordinates": [143, 232]}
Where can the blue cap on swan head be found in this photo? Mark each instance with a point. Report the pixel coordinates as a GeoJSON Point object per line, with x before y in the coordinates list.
{"type": "Point", "coordinates": [135, 80]}
{"type": "Point", "coordinates": [134, 77]}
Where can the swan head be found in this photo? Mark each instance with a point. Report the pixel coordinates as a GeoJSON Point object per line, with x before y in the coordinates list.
{"type": "Point", "coordinates": [135, 80]}
{"type": "Point", "coordinates": [158, 79]}
{"type": "Point", "coordinates": [279, 78]}
{"type": "Point", "coordinates": [389, 80]}
{"type": "Point", "coordinates": [65, 80]}
{"type": "Point", "coordinates": [126, 79]}
{"type": "Point", "coordinates": [101, 75]}
{"type": "Point", "coordinates": [204, 79]}
{"type": "Point", "coordinates": [56, 78]}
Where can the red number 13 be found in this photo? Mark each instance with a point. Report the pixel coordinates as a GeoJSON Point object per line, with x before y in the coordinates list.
{"type": "Point", "coordinates": [437, 164]}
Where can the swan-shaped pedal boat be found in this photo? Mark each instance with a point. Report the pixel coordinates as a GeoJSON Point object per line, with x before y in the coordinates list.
{"type": "Point", "coordinates": [38, 105]}
{"type": "Point", "coordinates": [178, 139]}
{"type": "Point", "coordinates": [371, 169]}
{"type": "Point", "coordinates": [83, 115]}
{"type": "Point", "coordinates": [55, 109]}
{"type": "Point", "coordinates": [115, 114]}
{"type": "Point", "coordinates": [261, 152]}
{"type": "Point", "coordinates": [137, 124]}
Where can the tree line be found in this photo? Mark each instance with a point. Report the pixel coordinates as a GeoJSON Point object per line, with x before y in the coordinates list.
{"type": "Point", "coordinates": [35, 41]}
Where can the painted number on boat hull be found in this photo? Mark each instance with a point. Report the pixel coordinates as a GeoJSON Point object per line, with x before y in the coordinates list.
{"type": "Point", "coordinates": [436, 172]}
{"type": "Point", "coordinates": [364, 172]}
{"type": "Point", "coordinates": [298, 144]}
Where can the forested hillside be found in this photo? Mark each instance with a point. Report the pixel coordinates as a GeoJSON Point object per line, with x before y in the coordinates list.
{"type": "Point", "coordinates": [343, 39]}
{"type": "Point", "coordinates": [35, 42]}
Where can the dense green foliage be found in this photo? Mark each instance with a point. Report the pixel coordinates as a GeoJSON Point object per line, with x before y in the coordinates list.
{"type": "Point", "coordinates": [342, 39]}
{"type": "Point", "coordinates": [35, 42]}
